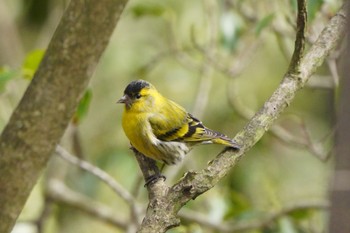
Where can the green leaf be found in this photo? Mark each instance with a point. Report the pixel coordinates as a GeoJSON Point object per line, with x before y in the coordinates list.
{"type": "Point", "coordinates": [83, 107]}
{"type": "Point", "coordinates": [31, 63]}
{"type": "Point", "coordinates": [147, 9]}
{"type": "Point", "coordinates": [265, 22]}
{"type": "Point", "coordinates": [5, 76]}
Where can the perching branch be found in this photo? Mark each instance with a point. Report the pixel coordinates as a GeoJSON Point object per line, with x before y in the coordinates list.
{"type": "Point", "coordinates": [167, 201]}
{"type": "Point", "coordinates": [47, 106]}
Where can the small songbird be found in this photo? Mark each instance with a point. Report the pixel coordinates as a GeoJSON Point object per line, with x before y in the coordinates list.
{"type": "Point", "coordinates": [161, 129]}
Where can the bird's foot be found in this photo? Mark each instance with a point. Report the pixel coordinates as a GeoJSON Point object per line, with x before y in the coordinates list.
{"type": "Point", "coordinates": [153, 179]}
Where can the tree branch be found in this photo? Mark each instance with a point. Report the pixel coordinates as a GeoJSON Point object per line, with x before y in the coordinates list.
{"type": "Point", "coordinates": [59, 192]}
{"type": "Point", "coordinates": [102, 175]}
{"type": "Point", "coordinates": [41, 117]}
{"type": "Point", "coordinates": [162, 212]}
{"type": "Point", "coordinates": [106, 178]}
{"type": "Point", "coordinates": [300, 37]}
{"type": "Point", "coordinates": [267, 219]}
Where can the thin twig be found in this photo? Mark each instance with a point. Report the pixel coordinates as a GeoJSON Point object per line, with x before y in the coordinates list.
{"type": "Point", "coordinates": [332, 65]}
{"type": "Point", "coordinates": [316, 148]}
{"type": "Point", "coordinates": [59, 192]}
{"type": "Point", "coordinates": [320, 82]}
{"type": "Point", "coordinates": [102, 175]}
{"type": "Point", "coordinates": [268, 218]}
{"type": "Point", "coordinates": [45, 213]}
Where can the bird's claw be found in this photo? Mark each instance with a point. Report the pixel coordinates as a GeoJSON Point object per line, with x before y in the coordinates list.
{"type": "Point", "coordinates": [153, 179]}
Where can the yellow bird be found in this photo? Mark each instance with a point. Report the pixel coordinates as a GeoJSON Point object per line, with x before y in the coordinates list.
{"type": "Point", "coordinates": [161, 129]}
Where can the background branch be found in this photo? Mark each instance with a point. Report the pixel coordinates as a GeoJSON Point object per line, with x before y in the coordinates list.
{"type": "Point", "coordinates": [60, 193]}
{"type": "Point", "coordinates": [251, 224]}
{"type": "Point", "coordinates": [102, 175]}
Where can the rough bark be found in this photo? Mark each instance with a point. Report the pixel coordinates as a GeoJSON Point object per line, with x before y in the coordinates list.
{"type": "Point", "coordinates": [165, 202]}
{"type": "Point", "coordinates": [42, 115]}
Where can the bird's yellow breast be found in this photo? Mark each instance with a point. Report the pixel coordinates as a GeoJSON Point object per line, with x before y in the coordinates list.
{"type": "Point", "coordinates": [138, 130]}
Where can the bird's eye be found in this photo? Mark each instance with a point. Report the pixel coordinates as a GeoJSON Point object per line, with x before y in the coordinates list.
{"type": "Point", "coordinates": [138, 96]}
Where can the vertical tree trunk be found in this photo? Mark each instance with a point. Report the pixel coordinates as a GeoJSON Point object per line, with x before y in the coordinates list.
{"type": "Point", "coordinates": [41, 117]}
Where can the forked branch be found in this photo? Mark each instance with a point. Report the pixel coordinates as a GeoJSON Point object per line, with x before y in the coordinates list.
{"type": "Point", "coordinates": [167, 201]}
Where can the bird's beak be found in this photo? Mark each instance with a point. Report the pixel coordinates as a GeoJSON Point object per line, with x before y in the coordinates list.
{"type": "Point", "coordinates": [122, 100]}
{"type": "Point", "coordinates": [125, 100]}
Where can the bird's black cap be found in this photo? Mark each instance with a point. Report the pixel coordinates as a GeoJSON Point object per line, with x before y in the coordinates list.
{"type": "Point", "coordinates": [135, 87]}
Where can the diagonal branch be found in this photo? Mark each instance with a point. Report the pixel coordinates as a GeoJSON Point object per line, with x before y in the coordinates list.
{"type": "Point", "coordinates": [262, 121]}
{"type": "Point", "coordinates": [102, 175]}
{"type": "Point", "coordinates": [58, 192]}
{"type": "Point", "coordinates": [162, 212]}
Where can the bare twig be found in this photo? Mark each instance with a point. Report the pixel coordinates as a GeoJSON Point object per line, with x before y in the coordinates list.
{"type": "Point", "coordinates": [332, 64]}
{"type": "Point", "coordinates": [102, 175]}
{"type": "Point", "coordinates": [316, 148]}
{"type": "Point", "coordinates": [321, 82]}
{"type": "Point", "coordinates": [44, 215]}
{"type": "Point", "coordinates": [177, 52]}
{"type": "Point", "coordinates": [59, 192]}
{"type": "Point", "coordinates": [40, 221]}
{"type": "Point", "coordinates": [106, 178]}
{"type": "Point", "coordinates": [268, 218]}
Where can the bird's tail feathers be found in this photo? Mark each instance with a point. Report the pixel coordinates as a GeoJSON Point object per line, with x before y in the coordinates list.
{"type": "Point", "coordinates": [219, 138]}
{"type": "Point", "coordinates": [227, 142]}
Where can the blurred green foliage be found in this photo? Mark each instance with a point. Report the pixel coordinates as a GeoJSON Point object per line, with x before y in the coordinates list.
{"type": "Point", "coordinates": [83, 107]}
{"type": "Point", "coordinates": [31, 63]}
{"type": "Point", "coordinates": [148, 8]}
{"type": "Point", "coordinates": [203, 55]}
{"type": "Point", "coordinates": [5, 75]}
{"type": "Point", "coordinates": [263, 23]}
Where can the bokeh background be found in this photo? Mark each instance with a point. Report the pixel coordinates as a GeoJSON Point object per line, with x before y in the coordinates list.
{"type": "Point", "coordinates": [221, 60]}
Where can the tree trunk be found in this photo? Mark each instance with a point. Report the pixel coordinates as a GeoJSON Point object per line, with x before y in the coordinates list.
{"type": "Point", "coordinates": [41, 117]}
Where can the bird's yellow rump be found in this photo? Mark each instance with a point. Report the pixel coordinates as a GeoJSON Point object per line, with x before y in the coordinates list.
{"type": "Point", "coordinates": [161, 129]}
